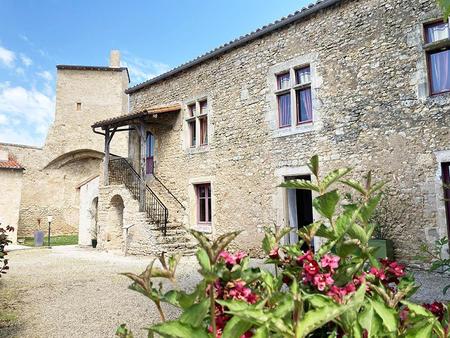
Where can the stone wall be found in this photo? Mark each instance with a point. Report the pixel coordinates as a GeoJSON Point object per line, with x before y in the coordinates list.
{"type": "Point", "coordinates": [10, 188]}
{"type": "Point", "coordinates": [371, 113]}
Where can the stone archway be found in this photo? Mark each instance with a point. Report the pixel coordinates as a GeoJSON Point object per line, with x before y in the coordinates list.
{"type": "Point", "coordinates": [115, 223]}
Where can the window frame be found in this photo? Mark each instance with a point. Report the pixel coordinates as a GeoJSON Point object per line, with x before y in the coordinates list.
{"type": "Point", "coordinates": [294, 87]}
{"type": "Point", "coordinates": [434, 47]}
{"type": "Point", "coordinates": [196, 121]}
{"type": "Point", "coordinates": [208, 203]}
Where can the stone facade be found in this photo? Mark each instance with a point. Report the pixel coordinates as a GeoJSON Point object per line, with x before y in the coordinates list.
{"type": "Point", "coordinates": [371, 107]}
{"type": "Point", "coordinates": [72, 153]}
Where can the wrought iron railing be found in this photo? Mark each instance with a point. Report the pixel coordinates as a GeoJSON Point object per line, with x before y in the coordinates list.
{"type": "Point", "coordinates": [121, 172]}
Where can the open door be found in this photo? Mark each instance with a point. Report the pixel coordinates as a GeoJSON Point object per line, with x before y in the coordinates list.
{"type": "Point", "coordinates": [299, 208]}
{"type": "Point", "coordinates": [149, 153]}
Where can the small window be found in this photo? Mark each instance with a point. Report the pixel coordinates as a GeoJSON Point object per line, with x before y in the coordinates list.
{"type": "Point", "coordinates": [78, 105]}
{"type": "Point", "coordinates": [283, 81]}
{"type": "Point", "coordinates": [284, 110]}
{"type": "Point", "coordinates": [192, 110]}
{"type": "Point", "coordinates": [198, 123]}
{"type": "Point", "coordinates": [438, 58]}
{"type": "Point", "coordinates": [303, 75]}
{"type": "Point", "coordinates": [203, 107]}
{"type": "Point", "coordinates": [192, 134]}
{"type": "Point", "coordinates": [203, 192]}
{"type": "Point", "coordinates": [203, 130]}
{"type": "Point", "coordinates": [436, 31]}
{"type": "Point", "coordinates": [304, 105]}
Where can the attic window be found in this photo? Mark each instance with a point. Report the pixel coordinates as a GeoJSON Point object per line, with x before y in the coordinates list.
{"type": "Point", "coordinates": [78, 105]}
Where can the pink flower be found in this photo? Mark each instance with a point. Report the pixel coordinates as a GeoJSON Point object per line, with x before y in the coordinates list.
{"type": "Point", "coordinates": [331, 261]}
{"type": "Point", "coordinates": [308, 256]}
{"type": "Point", "coordinates": [311, 268]}
{"type": "Point", "coordinates": [274, 254]}
{"type": "Point", "coordinates": [239, 256]}
{"type": "Point", "coordinates": [228, 257]}
{"type": "Point", "coordinates": [322, 280]}
{"type": "Point", "coordinates": [378, 273]}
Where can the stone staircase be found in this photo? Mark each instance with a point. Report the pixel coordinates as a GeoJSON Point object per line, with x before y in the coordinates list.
{"type": "Point", "coordinates": [148, 235]}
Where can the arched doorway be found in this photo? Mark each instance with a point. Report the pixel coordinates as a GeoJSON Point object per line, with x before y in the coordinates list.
{"type": "Point", "coordinates": [115, 220]}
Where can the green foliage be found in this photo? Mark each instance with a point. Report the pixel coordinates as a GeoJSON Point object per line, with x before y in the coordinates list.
{"type": "Point", "coordinates": [338, 290]}
{"type": "Point", "coordinates": [436, 259]}
{"type": "Point", "coordinates": [4, 241]}
{"type": "Point", "coordinates": [445, 6]}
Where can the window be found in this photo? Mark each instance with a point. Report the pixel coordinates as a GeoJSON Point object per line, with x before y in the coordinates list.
{"type": "Point", "coordinates": [198, 123]}
{"type": "Point", "coordinates": [438, 57]}
{"type": "Point", "coordinates": [203, 192]}
{"type": "Point", "coordinates": [78, 105]}
{"type": "Point", "coordinates": [300, 90]}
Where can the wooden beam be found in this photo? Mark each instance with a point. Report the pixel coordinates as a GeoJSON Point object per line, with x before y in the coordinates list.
{"type": "Point", "coordinates": [106, 159]}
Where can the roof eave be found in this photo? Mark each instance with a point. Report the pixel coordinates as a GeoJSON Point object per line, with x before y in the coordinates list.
{"type": "Point", "coordinates": [237, 43]}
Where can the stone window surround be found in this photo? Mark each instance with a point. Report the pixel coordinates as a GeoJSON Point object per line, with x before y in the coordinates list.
{"type": "Point", "coordinates": [192, 206]}
{"type": "Point", "coordinates": [280, 197]}
{"type": "Point", "coordinates": [416, 38]}
{"type": "Point", "coordinates": [291, 65]}
{"type": "Point", "coordinates": [441, 218]}
{"type": "Point", "coordinates": [186, 134]}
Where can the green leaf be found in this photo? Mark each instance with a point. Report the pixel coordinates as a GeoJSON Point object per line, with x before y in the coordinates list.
{"type": "Point", "coordinates": [417, 309]}
{"type": "Point", "coordinates": [235, 327]}
{"type": "Point", "coordinates": [313, 165]}
{"type": "Point", "coordinates": [300, 184]}
{"type": "Point", "coordinates": [177, 329]}
{"type": "Point", "coordinates": [368, 209]}
{"type": "Point", "coordinates": [387, 315]}
{"type": "Point", "coordinates": [261, 332]}
{"type": "Point", "coordinates": [370, 321]}
{"type": "Point", "coordinates": [203, 260]}
{"type": "Point", "coordinates": [357, 232]}
{"type": "Point", "coordinates": [326, 204]}
{"type": "Point", "coordinates": [333, 177]}
{"type": "Point", "coordinates": [423, 329]}
{"type": "Point", "coordinates": [195, 314]}
{"type": "Point", "coordinates": [355, 185]}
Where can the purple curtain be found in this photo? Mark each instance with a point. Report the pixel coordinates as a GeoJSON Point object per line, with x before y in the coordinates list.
{"type": "Point", "coordinates": [284, 110]}
{"type": "Point", "coordinates": [440, 66]}
{"type": "Point", "coordinates": [304, 105]}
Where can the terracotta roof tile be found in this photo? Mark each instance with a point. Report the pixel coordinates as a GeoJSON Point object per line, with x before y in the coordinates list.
{"type": "Point", "coordinates": [11, 163]}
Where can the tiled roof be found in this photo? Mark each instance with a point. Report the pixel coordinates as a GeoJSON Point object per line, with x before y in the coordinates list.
{"type": "Point", "coordinates": [11, 163]}
{"type": "Point", "coordinates": [285, 21]}
{"type": "Point", "coordinates": [99, 68]}
{"type": "Point", "coordinates": [123, 119]}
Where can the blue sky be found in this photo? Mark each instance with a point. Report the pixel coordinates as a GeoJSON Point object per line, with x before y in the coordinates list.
{"type": "Point", "coordinates": [153, 37]}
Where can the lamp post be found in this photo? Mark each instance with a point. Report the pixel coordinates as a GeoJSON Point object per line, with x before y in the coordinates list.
{"type": "Point", "coordinates": [49, 219]}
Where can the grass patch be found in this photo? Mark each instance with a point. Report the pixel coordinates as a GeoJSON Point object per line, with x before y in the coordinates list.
{"type": "Point", "coordinates": [54, 240]}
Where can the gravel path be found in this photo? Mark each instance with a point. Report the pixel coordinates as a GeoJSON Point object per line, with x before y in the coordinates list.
{"type": "Point", "coordinates": [74, 292]}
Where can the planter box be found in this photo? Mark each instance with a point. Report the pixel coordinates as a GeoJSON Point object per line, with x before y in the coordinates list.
{"type": "Point", "coordinates": [385, 248]}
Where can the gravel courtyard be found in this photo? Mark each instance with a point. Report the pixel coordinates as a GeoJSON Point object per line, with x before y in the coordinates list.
{"type": "Point", "coordinates": [74, 292]}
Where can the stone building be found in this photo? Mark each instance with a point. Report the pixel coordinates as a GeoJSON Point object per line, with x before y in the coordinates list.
{"type": "Point", "coordinates": [11, 173]}
{"type": "Point", "coordinates": [360, 83]}
{"type": "Point", "coordinates": [72, 154]}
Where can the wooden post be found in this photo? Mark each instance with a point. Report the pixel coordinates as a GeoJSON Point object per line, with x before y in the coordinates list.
{"type": "Point", "coordinates": [142, 165]}
{"type": "Point", "coordinates": [106, 160]}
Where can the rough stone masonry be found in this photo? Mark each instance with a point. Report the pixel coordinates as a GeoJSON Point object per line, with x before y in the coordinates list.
{"type": "Point", "coordinates": [371, 111]}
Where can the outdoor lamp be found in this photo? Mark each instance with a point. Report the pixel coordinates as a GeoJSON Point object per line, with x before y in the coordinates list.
{"type": "Point", "coordinates": [49, 219]}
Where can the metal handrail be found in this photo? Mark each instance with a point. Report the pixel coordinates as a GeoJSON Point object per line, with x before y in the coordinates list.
{"type": "Point", "coordinates": [122, 172]}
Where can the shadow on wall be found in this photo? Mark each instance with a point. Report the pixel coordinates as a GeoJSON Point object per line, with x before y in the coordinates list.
{"type": "Point", "coordinates": [113, 235]}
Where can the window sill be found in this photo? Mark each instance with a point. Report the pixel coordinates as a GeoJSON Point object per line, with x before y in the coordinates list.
{"type": "Point", "coordinates": [293, 130]}
{"type": "Point", "coordinates": [198, 150]}
{"type": "Point", "coordinates": [204, 227]}
{"type": "Point", "coordinates": [432, 46]}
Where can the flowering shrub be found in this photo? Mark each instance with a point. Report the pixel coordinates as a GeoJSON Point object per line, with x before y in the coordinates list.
{"type": "Point", "coordinates": [4, 241]}
{"type": "Point", "coordinates": [338, 290]}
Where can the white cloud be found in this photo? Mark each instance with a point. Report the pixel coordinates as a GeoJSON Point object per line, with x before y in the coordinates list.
{"type": "Point", "coordinates": [3, 119]}
{"type": "Point", "coordinates": [46, 75]}
{"type": "Point", "coordinates": [143, 69]}
{"type": "Point", "coordinates": [32, 108]}
{"type": "Point", "coordinates": [7, 57]}
{"type": "Point", "coordinates": [26, 60]}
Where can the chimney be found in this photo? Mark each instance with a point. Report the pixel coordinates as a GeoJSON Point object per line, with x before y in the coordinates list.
{"type": "Point", "coordinates": [114, 58]}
